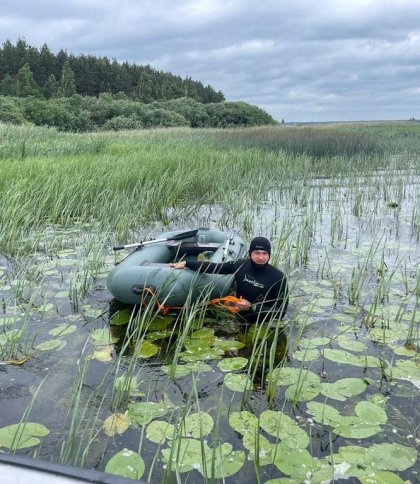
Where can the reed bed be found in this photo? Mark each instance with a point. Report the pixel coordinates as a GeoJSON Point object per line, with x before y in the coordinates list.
{"type": "Point", "coordinates": [340, 205]}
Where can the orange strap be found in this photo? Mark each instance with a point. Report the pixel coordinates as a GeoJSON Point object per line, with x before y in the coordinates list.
{"type": "Point", "coordinates": [226, 302]}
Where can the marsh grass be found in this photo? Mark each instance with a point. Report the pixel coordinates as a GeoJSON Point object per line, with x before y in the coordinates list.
{"type": "Point", "coordinates": [318, 193]}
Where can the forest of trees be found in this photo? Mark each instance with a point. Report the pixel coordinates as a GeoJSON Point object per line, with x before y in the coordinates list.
{"type": "Point", "coordinates": [84, 93]}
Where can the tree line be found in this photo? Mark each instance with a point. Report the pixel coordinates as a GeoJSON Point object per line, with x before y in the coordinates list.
{"type": "Point", "coordinates": [28, 71]}
{"type": "Point", "coordinates": [86, 93]}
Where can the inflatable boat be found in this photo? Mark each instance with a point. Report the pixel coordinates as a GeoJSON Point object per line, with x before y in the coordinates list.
{"type": "Point", "coordinates": [146, 272]}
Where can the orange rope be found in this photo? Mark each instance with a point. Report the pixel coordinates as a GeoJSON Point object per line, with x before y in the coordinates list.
{"type": "Point", "coordinates": [226, 302]}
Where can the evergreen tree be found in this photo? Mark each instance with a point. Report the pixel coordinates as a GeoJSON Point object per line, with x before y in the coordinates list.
{"type": "Point", "coordinates": [68, 85]}
{"type": "Point", "coordinates": [8, 86]}
{"type": "Point", "coordinates": [51, 87]}
{"type": "Point", "coordinates": [25, 83]}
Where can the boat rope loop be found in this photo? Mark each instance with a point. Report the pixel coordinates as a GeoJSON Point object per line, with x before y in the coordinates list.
{"type": "Point", "coordinates": [226, 302]}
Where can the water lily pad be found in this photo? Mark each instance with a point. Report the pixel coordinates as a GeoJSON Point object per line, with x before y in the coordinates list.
{"type": "Point", "coordinates": [289, 376]}
{"type": "Point", "coordinates": [390, 457]}
{"type": "Point", "coordinates": [92, 312]}
{"type": "Point", "coordinates": [381, 477]}
{"type": "Point", "coordinates": [295, 463]}
{"type": "Point", "coordinates": [117, 423]}
{"type": "Point", "coordinates": [129, 384]}
{"type": "Point", "coordinates": [209, 354]}
{"type": "Point", "coordinates": [339, 356]}
{"type": "Point", "coordinates": [343, 389]}
{"type": "Point", "coordinates": [223, 462]}
{"type": "Point", "coordinates": [157, 335]}
{"type": "Point", "coordinates": [229, 364]}
{"type": "Point", "coordinates": [205, 334]}
{"type": "Point", "coordinates": [243, 422]}
{"type": "Point", "coordinates": [126, 463]}
{"type": "Point", "coordinates": [383, 335]}
{"type": "Point", "coordinates": [355, 428]}
{"type": "Point", "coordinates": [52, 344]}
{"type": "Point", "coordinates": [158, 431]}
{"type": "Point", "coordinates": [148, 349]}
{"type": "Point", "coordinates": [410, 368]}
{"type": "Point", "coordinates": [63, 329]}
{"type": "Point", "coordinates": [371, 413]}
{"type": "Point", "coordinates": [22, 436]}
{"type": "Point", "coordinates": [351, 344]}
{"type": "Point", "coordinates": [102, 353]}
{"type": "Point", "coordinates": [121, 317]}
{"type": "Point", "coordinates": [306, 355]}
{"type": "Point", "coordinates": [185, 455]}
{"type": "Point", "coordinates": [237, 382]}
{"type": "Point", "coordinates": [197, 425]}
{"type": "Point", "coordinates": [160, 323]}
{"type": "Point", "coordinates": [323, 413]}
{"type": "Point", "coordinates": [179, 371]}
{"type": "Point", "coordinates": [228, 345]}
{"type": "Point", "coordinates": [143, 413]}
{"type": "Point", "coordinates": [266, 450]}
{"type": "Point", "coordinates": [103, 337]}
{"type": "Point", "coordinates": [303, 391]}
{"type": "Point", "coordinates": [313, 342]}
{"type": "Point", "coordinates": [284, 428]}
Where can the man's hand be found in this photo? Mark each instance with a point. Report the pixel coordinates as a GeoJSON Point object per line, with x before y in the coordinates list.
{"type": "Point", "coordinates": [178, 265]}
{"type": "Point", "coordinates": [243, 305]}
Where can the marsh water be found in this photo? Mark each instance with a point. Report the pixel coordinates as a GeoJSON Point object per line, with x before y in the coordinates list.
{"type": "Point", "coordinates": [344, 373]}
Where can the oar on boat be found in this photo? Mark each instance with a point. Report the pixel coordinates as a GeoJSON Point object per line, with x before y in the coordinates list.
{"type": "Point", "coordinates": [180, 236]}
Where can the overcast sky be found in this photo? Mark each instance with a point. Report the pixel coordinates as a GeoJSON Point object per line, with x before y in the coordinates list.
{"type": "Point", "coordinates": [300, 60]}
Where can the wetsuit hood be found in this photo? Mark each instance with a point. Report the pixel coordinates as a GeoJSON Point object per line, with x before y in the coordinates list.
{"type": "Point", "coordinates": [259, 243]}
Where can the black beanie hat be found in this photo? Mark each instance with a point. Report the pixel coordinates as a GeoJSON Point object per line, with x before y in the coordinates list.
{"type": "Point", "coordinates": [260, 243]}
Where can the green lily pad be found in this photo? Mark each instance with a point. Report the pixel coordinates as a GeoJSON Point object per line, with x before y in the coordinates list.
{"type": "Point", "coordinates": [197, 425]}
{"type": "Point", "coordinates": [179, 371]}
{"type": "Point", "coordinates": [343, 389]}
{"type": "Point", "coordinates": [237, 382]}
{"type": "Point", "coordinates": [143, 413]}
{"type": "Point", "coordinates": [22, 436]}
{"type": "Point", "coordinates": [148, 349]}
{"type": "Point", "coordinates": [205, 334]}
{"type": "Point", "coordinates": [223, 462]}
{"type": "Point", "coordinates": [185, 455]}
{"type": "Point", "coordinates": [160, 323]}
{"type": "Point", "coordinates": [266, 450]}
{"type": "Point", "coordinates": [371, 413]}
{"type": "Point", "coordinates": [390, 457]}
{"type": "Point", "coordinates": [313, 342]}
{"type": "Point", "coordinates": [63, 329]}
{"type": "Point", "coordinates": [52, 344]}
{"type": "Point", "coordinates": [121, 317]}
{"type": "Point", "coordinates": [125, 383]}
{"type": "Point", "coordinates": [339, 356]}
{"type": "Point", "coordinates": [387, 335]}
{"type": "Point", "coordinates": [158, 431]}
{"type": "Point", "coordinates": [126, 463]}
{"type": "Point", "coordinates": [103, 337]}
{"type": "Point", "coordinates": [289, 376]}
{"type": "Point", "coordinates": [381, 477]}
{"type": "Point", "coordinates": [355, 428]}
{"type": "Point", "coordinates": [243, 422]}
{"type": "Point", "coordinates": [306, 355]}
{"type": "Point", "coordinates": [230, 364]}
{"type": "Point", "coordinates": [92, 312]}
{"type": "Point", "coordinates": [304, 391]}
{"type": "Point", "coordinates": [323, 413]}
{"type": "Point", "coordinates": [284, 428]}
{"type": "Point", "coordinates": [210, 354]}
{"type": "Point", "coordinates": [157, 335]}
{"type": "Point", "coordinates": [228, 345]}
{"type": "Point", "coordinates": [295, 463]}
{"type": "Point", "coordinates": [411, 368]}
{"type": "Point", "coordinates": [351, 345]}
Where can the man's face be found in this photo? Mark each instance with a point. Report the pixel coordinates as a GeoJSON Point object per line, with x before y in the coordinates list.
{"type": "Point", "coordinates": [260, 256]}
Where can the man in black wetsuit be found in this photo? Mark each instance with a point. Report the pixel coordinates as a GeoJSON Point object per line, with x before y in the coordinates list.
{"type": "Point", "coordinates": [262, 287]}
